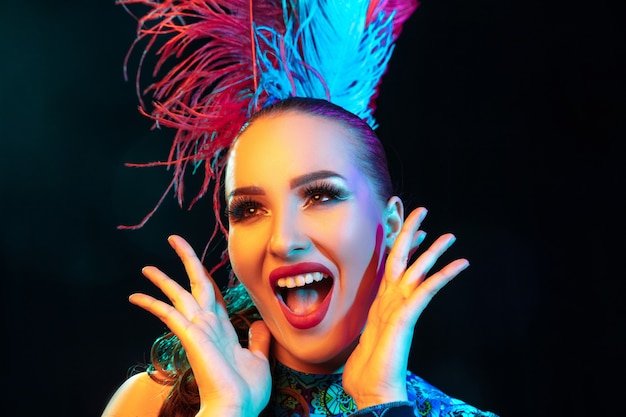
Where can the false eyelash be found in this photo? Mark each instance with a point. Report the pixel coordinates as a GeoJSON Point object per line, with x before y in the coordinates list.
{"type": "Point", "coordinates": [328, 189]}
{"type": "Point", "coordinates": [238, 206]}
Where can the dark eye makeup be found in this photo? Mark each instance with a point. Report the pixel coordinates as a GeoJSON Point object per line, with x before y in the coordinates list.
{"type": "Point", "coordinates": [316, 193]}
{"type": "Point", "coordinates": [241, 208]}
{"type": "Point", "coordinates": [320, 192]}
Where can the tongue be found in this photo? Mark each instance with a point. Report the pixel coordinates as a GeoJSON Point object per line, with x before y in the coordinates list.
{"type": "Point", "coordinates": [302, 300]}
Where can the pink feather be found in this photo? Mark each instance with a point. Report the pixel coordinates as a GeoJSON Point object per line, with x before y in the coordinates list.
{"type": "Point", "coordinates": [206, 53]}
{"type": "Point", "coordinates": [203, 93]}
{"type": "Point", "coordinates": [403, 9]}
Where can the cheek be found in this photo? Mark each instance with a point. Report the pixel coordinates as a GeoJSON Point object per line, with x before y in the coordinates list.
{"type": "Point", "coordinates": [357, 238]}
{"type": "Point", "coordinates": [246, 248]}
{"type": "Point", "coordinates": [357, 242]}
{"type": "Point", "coordinates": [243, 252]}
{"type": "Point", "coordinates": [361, 284]}
{"type": "Point", "coordinates": [366, 288]}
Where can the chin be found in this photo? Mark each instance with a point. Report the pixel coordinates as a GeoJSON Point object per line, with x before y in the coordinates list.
{"type": "Point", "coordinates": [316, 353]}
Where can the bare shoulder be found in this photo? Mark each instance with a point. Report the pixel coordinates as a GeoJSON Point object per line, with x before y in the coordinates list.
{"type": "Point", "coordinates": [138, 396]}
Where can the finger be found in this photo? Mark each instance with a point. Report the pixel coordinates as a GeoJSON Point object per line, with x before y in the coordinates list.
{"type": "Point", "coordinates": [399, 254]}
{"type": "Point", "coordinates": [217, 293]}
{"type": "Point", "coordinates": [199, 278]}
{"type": "Point", "coordinates": [416, 273]}
{"type": "Point", "coordinates": [163, 311]}
{"type": "Point", "coordinates": [424, 293]}
{"type": "Point", "coordinates": [180, 297]}
{"type": "Point", "coordinates": [199, 341]}
{"type": "Point", "coordinates": [418, 239]}
{"type": "Point", "coordinates": [259, 339]}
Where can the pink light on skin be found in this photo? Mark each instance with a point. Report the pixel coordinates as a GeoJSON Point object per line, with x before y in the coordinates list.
{"type": "Point", "coordinates": [282, 224]}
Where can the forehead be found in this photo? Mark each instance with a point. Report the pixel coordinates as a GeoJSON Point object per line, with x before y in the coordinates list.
{"type": "Point", "coordinates": [292, 143]}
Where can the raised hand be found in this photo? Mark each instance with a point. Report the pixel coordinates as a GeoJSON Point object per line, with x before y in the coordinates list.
{"type": "Point", "coordinates": [232, 380]}
{"type": "Point", "coordinates": [375, 373]}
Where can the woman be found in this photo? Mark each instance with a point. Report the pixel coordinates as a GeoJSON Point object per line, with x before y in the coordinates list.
{"type": "Point", "coordinates": [321, 246]}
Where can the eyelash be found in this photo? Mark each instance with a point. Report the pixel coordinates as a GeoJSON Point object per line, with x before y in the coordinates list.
{"type": "Point", "coordinates": [240, 207]}
{"type": "Point", "coordinates": [323, 188]}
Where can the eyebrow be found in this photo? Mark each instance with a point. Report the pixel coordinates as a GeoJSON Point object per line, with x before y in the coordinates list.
{"type": "Point", "coordinates": [252, 190]}
{"type": "Point", "coordinates": [313, 176]}
{"type": "Point", "coordinates": [293, 183]}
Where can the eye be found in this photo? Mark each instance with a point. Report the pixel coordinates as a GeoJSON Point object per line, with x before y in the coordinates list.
{"type": "Point", "coordinates": [243, 208]}
{"type": "Point", "coordinates": [322, 193]}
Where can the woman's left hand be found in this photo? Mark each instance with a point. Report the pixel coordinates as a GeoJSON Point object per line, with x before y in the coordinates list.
{"type": "Point", "coordinates": [375, 372]}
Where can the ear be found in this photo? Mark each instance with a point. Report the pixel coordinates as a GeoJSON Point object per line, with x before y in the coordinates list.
{"type": "Point", "coordinates": [393, 218]}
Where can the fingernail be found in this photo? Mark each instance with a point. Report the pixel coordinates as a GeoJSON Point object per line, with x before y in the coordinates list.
{"type": "Point", "coordinates": [420, 238]}
{"type": "Point", "coordinates": [465, 266]}
{"type": "Point", "coordinates": [423, 214]}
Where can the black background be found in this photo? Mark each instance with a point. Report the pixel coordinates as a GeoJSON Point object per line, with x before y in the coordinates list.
{"type": "Point", "coordinates": [504, 118]}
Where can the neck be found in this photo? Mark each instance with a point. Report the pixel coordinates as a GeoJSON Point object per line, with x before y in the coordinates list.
{"type": "Point", "coordinates": [333, 365]}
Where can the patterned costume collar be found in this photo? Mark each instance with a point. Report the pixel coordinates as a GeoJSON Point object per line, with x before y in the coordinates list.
{"type": "Point", "coordinates": [325, 397]}
{"type": "Point", "coordinates": [323, 394]}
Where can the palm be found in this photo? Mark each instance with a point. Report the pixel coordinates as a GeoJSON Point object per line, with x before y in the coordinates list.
{"type": "Point", "coordinates": [381, 356]}
{"type": "Point", "coordinates": [231, 379]}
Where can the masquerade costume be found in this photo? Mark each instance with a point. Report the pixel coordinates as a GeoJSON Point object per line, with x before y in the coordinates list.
{"type": "Point", "coordinates": [325, 396]}
{"type": "Point", "coordinates": [225, 60]}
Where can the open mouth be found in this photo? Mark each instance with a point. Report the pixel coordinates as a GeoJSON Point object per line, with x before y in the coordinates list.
{"type": "Point", "coordinates": [303, 294]}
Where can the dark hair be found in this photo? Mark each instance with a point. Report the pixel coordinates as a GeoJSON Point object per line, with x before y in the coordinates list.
{"type": "Point", "coordinates": [169, 363]}
{"type": "Point", "coordinates": [369, 152]}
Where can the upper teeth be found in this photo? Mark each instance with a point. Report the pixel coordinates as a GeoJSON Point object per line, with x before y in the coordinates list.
{"type": "Point", "coordinates": [299, 280]}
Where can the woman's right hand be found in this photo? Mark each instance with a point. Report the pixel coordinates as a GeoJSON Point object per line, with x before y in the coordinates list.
{"type": "Point", "coordinates": [232, 380]}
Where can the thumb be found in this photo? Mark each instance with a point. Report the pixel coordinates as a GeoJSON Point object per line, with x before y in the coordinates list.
{"type": "Point", "coordinates": [259, 338]}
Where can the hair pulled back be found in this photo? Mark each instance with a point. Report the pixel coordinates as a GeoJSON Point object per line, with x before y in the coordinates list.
{"type": "Point", "coordinates": [169, 363]}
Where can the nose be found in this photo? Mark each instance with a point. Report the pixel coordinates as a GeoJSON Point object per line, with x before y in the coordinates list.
{"type": "Point", "coordinates": [288, 238]}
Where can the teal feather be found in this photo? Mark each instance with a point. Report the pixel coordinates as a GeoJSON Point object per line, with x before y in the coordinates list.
{"type": "Point", "coordinates": [334, 50]}
{"type": "Point", "coordinates": [219, 61]}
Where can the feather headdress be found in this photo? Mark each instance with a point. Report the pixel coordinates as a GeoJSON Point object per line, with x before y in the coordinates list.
{"type": "Point", "coordinates": [228, 59]}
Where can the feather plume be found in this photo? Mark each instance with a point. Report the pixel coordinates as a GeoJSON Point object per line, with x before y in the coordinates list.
{"type": "Point", "coordinates": [203, 94]}
{"type": "Point", "coordinates": [228, 59]}
{"type": "Point", "coordinates": [336, 50]}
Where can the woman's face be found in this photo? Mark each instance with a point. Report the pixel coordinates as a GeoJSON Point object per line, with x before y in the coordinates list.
{"type": "Point", "coordinates": [305, 236]}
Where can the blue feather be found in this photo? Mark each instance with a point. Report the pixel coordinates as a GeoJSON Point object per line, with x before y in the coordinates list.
{"type": "Point", "coordinates": [329, 51]}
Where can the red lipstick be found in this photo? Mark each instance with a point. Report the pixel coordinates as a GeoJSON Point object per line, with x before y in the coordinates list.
{"type": "Point", "coordinates": [314, 317]}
